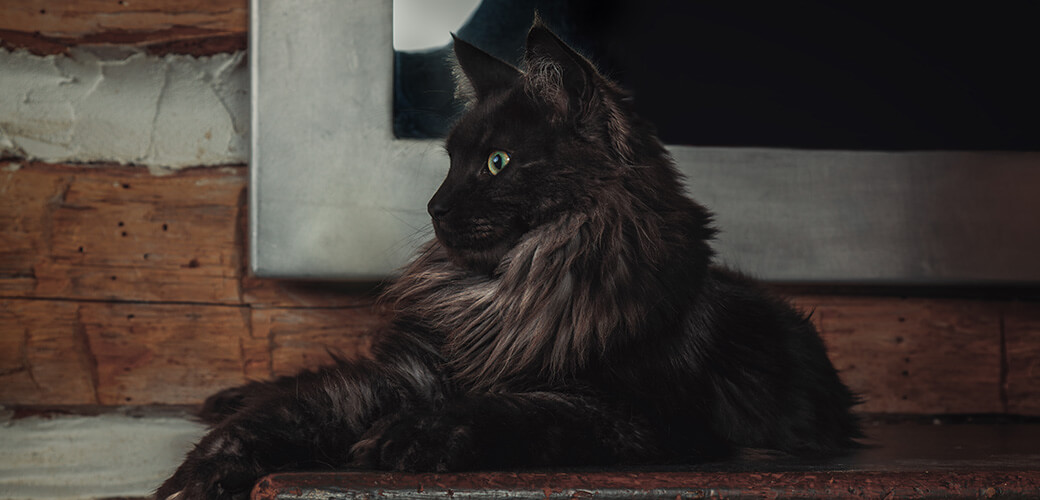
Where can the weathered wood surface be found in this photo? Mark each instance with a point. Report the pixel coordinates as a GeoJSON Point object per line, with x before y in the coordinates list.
{"type": "Point", "coordinates": [116, 353]}
{"type": "Point", "coordinates": [44, 355]}
{"type": "Point", "coordinates": [308, 338]}
{"type": "Point", "coordinates": [163, 26]}
{"type": "Point", "coordinates": [904, 460]}
{"type": "Point", "coordinates": [1022, 367]}
{"type": "Point", "coordinates": [914, 355]}
{"type": "Point", "coordinates": [182, 319]}
{"type": "Point", "coordinates": [121, 287]}
{"type": "Point", "coordinates": [121, 233]}
{"type": "Point", "coordinates": [655, 485]}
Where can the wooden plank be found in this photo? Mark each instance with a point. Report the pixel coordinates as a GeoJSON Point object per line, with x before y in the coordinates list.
{"type": "Point", "coordinates": [308, 338]}
{"type": "Point", "coordinates": [178, 354]}
{"type": "Point", "coordinates": [165, 354]}
{"type": "Point", "coordinates": [43, 355]}
{"type": "Point", "coordinates": [121, 233]}
{"type": "Point", "coordinates": [164, 26]}
{"type": "Point", "coordinates": [904, 460]}
{"type": "Point", "coordinates": [914, 355]}
{"type": "Point", "coordinates": [261, 293]}
{"type": "Point", "coordinates": [60, 352]}
{"type": "Point", "coordinates": [730, 483]}
{"type": "Point", "coordinates": [26, 199]}
{"type": "Point", "coordinates": [1022, 338]}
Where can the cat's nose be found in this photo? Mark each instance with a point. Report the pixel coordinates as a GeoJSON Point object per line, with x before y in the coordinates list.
{"type": "Point", "coordinates": [438, 209]}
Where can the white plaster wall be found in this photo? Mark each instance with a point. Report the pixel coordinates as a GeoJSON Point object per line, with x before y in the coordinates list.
{"type": "Point", "coordinates": [113, 455]}
{"type": "Point", "coordinates": [117, 104]}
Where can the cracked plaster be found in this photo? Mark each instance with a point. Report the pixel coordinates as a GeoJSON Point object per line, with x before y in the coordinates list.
{"type": "Point", "coordinates": [121, 105]}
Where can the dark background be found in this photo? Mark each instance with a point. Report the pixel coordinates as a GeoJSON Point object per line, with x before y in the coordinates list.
{"type": "Point", "coordinates": [779, 74]}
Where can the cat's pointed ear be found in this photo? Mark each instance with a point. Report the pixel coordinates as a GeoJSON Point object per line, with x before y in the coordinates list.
{"type": "Point", "coordinates": [484, 72]}
{"type": "Point", "coordinates": [560, 74]}
{"type": "Point", "coordinates": [578, 92]}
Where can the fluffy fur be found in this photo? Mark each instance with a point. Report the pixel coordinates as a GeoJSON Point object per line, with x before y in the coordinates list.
{"type": "Point", "coordinates": [568, 313]}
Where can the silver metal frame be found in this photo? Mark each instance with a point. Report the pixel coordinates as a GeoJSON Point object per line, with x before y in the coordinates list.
{"type": "Point", "coordinates": [335, 195]}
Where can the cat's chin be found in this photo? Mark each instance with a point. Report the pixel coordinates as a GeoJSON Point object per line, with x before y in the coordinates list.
{"type": "Point", "coordinates": [482, 261]}
{"type": "Point", "coordinates": [480, 255]}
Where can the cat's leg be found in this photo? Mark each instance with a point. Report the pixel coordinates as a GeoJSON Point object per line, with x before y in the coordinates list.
{"type": "Point", "coordinates": [507, 430]}
{"type": "Point", "coordinates": [225, 403]}
{"type": "Point", "coordinates": [308, 421]}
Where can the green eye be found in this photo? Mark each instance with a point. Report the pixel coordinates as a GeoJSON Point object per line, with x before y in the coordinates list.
{"type": "Point", "coordinates": [497, 161]}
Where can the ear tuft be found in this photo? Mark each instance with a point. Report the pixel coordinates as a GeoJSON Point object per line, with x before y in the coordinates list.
{"type": "Point", "coordinates": [555, 72]}
{"type": "Point", "coordinates": [562, 77]}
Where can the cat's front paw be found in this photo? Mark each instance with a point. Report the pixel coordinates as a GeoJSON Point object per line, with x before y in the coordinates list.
{"type": "Point", "coordinates": [420, 443]}
{"type": "Point", "coordinates": [216, 475]}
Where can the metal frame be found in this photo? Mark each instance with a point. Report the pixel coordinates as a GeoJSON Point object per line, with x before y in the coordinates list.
{"type": "Point", "coordinates": [335, 195]}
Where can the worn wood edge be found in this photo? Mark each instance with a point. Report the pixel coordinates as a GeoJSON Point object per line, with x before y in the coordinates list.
{"type": "Point", "coordinates": [1020, 367]}
{"type": "Point", "coordinates": [179, 40]}
{"type": "Point", "coordinates": [96, 354]}
{"type": "Point", "coordinates": [1027, 292]}
{"type": "Point", "coordinates": [189, 27]}
{"type": "Point", "coordinates": [802, 484]}
{"type": "Point", "coordinates": [257, 292]}
{"type": "Point", "coordinates": [121, 233]}
{"type": "Point", "coordinates": [109, 169]}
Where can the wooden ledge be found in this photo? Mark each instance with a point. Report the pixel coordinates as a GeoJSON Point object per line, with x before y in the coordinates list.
{"type": "Point", "coordinates": [904, 461]}
{"type": "Point", "coordinates": [177, 40]}
{"type": "Point", "coordinates": [159, 26]}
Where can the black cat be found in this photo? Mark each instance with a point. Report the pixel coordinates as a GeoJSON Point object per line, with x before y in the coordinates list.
{"type": "Point", "coordinates": [568, 313]}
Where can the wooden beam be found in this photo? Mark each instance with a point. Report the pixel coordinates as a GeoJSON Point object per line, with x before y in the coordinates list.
{"type": "Point", "coordinates": [162, 26]}
{"type": "Point", "coordinates": [60, 352]}
{"type": "Point", "coordinates": [309, 338]}
{"type": "Point", "coordinates": [44, 355]}
{"type": "Point", "coordinates": [167, 354]}
{"type": "Point", "coordinates": [1022, 366]}
{"type": "Point", "coordinates": [121, 233]}
{"type": "Point", "coordinates": [914, 355]}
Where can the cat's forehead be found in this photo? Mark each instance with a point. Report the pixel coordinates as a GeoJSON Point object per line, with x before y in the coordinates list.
{"type": "Point", "coordinates": [496, 122]}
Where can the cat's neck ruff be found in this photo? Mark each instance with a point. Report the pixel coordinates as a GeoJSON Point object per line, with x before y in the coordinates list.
{"type": "Point", "coordinates": [567, 292]}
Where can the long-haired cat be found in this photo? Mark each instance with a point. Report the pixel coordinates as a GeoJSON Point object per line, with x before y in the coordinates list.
{"type": "Point", "coordinates": [567, 313]}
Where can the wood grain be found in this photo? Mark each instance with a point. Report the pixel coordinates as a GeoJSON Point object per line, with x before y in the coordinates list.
{"type": "Point", "coordinates": [169, 354]}
{"type": "Point", "coordinates": [121, 233]}
{"type": "Point", "coordinates": [914, 355]}
{"type": "Point", "coordinates": [260, 292]}
{"type": "Point", "coordinates": [308, 338]}
{"type": "Point", "coordinates": [163, 26]}
{"type": "Point", "coordinates": [1022, 337]}
{"type": "Point", "coordinates": [44, 357]}
{"type": "Point", "coordinates": [58, 352]}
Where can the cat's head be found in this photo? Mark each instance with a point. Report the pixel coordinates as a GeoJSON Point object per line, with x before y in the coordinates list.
{"type": "Point", "coordinates": [533, 146]}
